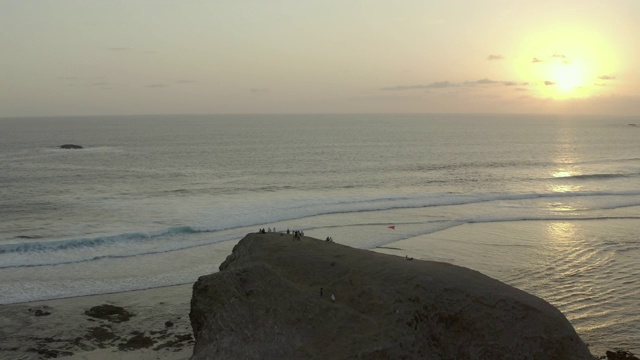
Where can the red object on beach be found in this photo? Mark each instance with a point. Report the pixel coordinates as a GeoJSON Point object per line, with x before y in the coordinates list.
{"type": "Point", "coordinates": [392, 227]}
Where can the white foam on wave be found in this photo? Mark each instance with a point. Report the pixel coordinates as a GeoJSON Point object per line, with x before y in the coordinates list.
{"type": "Point", "coordinates": [231, 216]}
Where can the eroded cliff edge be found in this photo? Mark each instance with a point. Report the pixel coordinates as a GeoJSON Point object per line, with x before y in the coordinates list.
{"type": "Point", "coordinates": [266, 303]}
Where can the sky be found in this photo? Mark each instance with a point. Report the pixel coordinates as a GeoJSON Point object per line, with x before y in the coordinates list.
{"type": "Point", "coordinates": [123, 57]}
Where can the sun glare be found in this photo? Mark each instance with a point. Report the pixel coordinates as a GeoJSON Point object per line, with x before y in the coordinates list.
{"type": "Point", "coordinates": [566, 62]}
{"type": "Point", "coordinates": [564, 79]}
{"type": "Point", "coordinates": [568, 76]}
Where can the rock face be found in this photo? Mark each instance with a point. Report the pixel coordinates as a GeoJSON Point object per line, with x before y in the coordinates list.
{"type": "Point", "coordinates": [71, 146]}
{"type": "Point", "coordinates": [272, 299]}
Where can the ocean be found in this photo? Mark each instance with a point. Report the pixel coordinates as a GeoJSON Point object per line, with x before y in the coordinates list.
{"type": "Point", "coordinates": [549, 204]}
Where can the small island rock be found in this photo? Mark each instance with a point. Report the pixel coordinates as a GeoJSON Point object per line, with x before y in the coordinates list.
{"type": "Point", "coordinates": [71, 146]}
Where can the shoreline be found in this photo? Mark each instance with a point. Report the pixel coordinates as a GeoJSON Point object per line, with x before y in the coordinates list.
{"type": "Point", "coordinates": [97, 295]}
{"type": "Point", "coordinates": [159, 326]}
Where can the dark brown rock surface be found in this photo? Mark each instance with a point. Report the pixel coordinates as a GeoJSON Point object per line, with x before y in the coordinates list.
{"type": "Point", "coordinates": [266, 303]}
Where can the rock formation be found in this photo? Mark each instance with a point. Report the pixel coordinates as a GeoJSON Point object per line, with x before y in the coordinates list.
{"type": "Point", "coordinates": [620, 355]}
{"type": "Point", "coordinates": [273, 299]}
{"type": "Point", "coordinates": [71, 146]}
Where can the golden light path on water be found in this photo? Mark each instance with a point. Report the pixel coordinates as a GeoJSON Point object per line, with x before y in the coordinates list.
{"type": "Point", "coordinates": [566, 158]}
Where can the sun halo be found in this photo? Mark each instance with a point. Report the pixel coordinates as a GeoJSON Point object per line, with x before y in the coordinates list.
{"type": "Point", "coordinates": [565, 62]}
{"type": "Point", "coordinates": [566, 79]}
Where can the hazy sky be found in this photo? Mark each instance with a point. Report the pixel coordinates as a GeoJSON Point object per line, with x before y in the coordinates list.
{"type": "Point", "coordinates": [75, 57]}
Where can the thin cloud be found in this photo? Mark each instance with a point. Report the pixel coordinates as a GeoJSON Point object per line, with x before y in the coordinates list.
{"type": "Point", "coordinates": [549, 83]}
{"type": "Point", "coordinates": [433, 85]}
{"type": "Point", "coordinates": [556, 57]}
{"type": "Point", "coordinates": [562, 57]}
{"type": "Point", "coordinates": [441, 85]}
{"type": "Point", "coordinates": [606, 77]}
{"type": "Point", "coordinates": [156, 86]}
{"type": "Point", "coordinates": [449, 84]}
{"type": "Point", "coordinates": [515, 83]}
{"type": "Point", "coordinates": [521, 89]}
{"type": "Point", "coordinates": [600, 84]}
{"type": "Point", "coordinates": [120, 49]}
{"type": "Point", "coordinates": [483, 81]}
{"type": "Point", "coordinates": [495, 57]}
{"type": "Point", "coordinates": [401, 87]}
{"type": "Point", "coordinates": [409, 87]}
{"type": "Point", "coordinates": [186, 81]}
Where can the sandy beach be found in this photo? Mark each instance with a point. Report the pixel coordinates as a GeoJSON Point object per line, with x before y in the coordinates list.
{"type": "Point", "coordinates": [158, 327]}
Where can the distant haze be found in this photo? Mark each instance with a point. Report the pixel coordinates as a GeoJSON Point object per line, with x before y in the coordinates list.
{"type": "Point", "coordinates": [103, 57]}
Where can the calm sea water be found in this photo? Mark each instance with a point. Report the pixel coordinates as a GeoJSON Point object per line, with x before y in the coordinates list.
{"type": "Point", "coordinates": [548, 204]}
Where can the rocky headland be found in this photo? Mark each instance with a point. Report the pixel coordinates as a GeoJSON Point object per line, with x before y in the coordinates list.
{"type": "Point", "coordinates": [276, 297]}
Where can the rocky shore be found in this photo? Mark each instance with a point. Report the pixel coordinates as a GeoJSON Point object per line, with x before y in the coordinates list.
{"type": "Point", "coordinates": [144, 324]}
{"type": "Point", "coordinates": [277, 297]}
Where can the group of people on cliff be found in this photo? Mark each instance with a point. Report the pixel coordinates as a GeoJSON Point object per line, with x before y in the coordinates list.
{"type": "Point", "coordinates": [297, 234]}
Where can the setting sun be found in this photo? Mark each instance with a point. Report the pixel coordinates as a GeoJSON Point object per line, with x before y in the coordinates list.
{"type": "Point", "coordinates": [568, 76]}
{"type": "Point", "coordinates": [567, 62]}
{"type": "Point", "coordinates": [567, 79]}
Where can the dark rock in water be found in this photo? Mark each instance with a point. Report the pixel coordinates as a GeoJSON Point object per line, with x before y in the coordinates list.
{"type": "Point", "coordinates": [71, 146]}
{"type": "Point", "coordinates": [41, 313]}
{"type": "Point", "coordinates": [620, 355]}
{"type": "Point", "coordinates": [111, 313]}
{"type": "Point", "coordinates": [137, 342]}
{"type": "Point", "coordinates": [100, 336]}
{"type": "Point", "coordinates": [384, 308]}
{"type": "Point", "coordinates": [168, 324]}
{"type": "Point", "coordinates": [50, 353]}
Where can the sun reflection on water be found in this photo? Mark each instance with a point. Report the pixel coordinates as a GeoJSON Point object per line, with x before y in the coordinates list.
{"type": "Point", "coordinates": [561, 232]}
{"type": "Point", "coordinates": [566, 158]}
{"type": "Point", "coordinates": [563, 174]}
{"type": "Point", "coordinates": [562, 207]}
{"type": "Point", "coordinates": [565, 187]}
